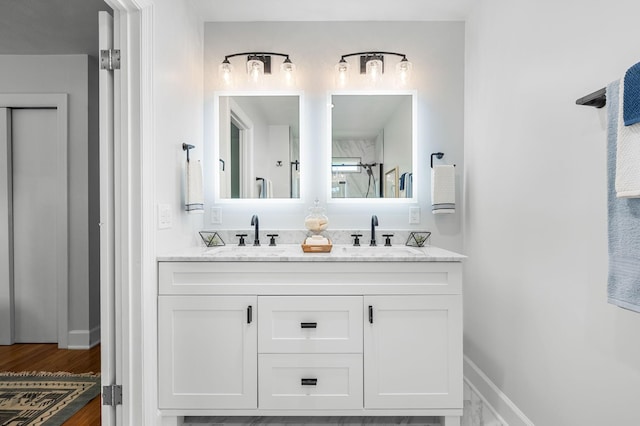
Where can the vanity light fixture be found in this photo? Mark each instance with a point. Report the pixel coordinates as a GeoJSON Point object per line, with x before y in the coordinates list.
{"type": "Point", "coordinates": [372, 64]}
{"type": "Point", "coordinates": [258, 64]}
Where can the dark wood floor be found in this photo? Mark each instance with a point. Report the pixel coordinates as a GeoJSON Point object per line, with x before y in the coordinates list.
{"type": "Point", "coordinates": [47, 357]}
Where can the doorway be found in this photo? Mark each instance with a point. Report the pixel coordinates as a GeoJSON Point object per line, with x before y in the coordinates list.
{"type": "Point", "coordinates": [235, 161]}
{"type": "Point", "coordinates": [33, 219]}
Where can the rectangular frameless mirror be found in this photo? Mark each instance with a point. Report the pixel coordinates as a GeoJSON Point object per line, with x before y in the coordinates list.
{"type": "Point", "coordinates": [258, 146]}
{"type": "Point", "coordinates": [373, 145]}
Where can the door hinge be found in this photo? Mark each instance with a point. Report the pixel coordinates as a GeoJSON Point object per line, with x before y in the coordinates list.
{"type": "Point", "coordinates": [112, 395]}
{"type": "Point", "coordinates": [110, 59]}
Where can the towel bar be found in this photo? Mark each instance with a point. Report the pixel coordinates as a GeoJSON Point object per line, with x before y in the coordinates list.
{"type": "Point", "coordinates": [596, 99]}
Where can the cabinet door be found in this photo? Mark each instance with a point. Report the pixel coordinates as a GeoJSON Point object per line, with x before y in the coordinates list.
{"type": "Point", "coordinates": [207, 352]}
{"type": "Point", "coordinates": [413, 352]}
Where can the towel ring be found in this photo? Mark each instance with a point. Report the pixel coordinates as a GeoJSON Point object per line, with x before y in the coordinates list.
{"type": "Point", "coordinates": [187, 147]}
{"type": "Point", "coordinates": [439, 155]}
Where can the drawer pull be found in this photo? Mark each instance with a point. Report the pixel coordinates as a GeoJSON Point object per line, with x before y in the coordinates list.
{"type": "Point", "coordinates": [308, 382]}
{"type": "Point", "coordinates": [370, 314]}
{"type": "Point", "coordinates": [249, 314]}
{"type": "Point", "coordinates": [308, 325]}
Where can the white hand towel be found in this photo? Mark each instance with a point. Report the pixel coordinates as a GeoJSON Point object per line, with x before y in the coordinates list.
{"type": "Point", "coordinates": [443, 189]}
{"type": "Point", "coordinates": [627, 156]}
{"type": "Point", "coordinates": [194, 199]}
{"type": "Point", "coordinates": [269, 188]}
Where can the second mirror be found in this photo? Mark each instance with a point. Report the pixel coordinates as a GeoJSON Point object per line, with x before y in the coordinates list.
{"type": "Point", "coordinates": [372, 146]}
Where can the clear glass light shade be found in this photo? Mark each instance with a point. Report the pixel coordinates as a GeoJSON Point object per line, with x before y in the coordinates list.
{"type": "Point", "coordinates": [374, 70]}
{"type": "Point", "coordinates": [342, 73]}
{"type": "Point", "coordinates": [225, 71]}
{"type": "Point", "coordinates": [403, 72]}
{"type": "Point", "coordinates": [288, 70]}
{"type": "Point", "coordinates": [255, 69]}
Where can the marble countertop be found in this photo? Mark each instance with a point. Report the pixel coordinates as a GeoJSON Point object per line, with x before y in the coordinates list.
{"type": "Point", "coordinates": [294, 253]}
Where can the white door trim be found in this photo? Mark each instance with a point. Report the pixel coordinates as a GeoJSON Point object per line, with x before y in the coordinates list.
{"type": "Point", "coordinates": [135, 275]}
{"type": "Point", "coordinates": [108, 334]}
{"type": "Point", "coordinates": [60, 102]}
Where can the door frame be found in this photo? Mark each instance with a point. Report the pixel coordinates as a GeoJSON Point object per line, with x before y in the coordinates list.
{"type": "Point", "coordinates": [59, 101]}
{"type": "Point", "coordinates": [134, 193]}
{"type": "Point", "coordinates": [245, 125]}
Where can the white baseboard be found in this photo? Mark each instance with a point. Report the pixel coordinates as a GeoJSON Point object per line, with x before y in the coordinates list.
{"type": "Point", "coordinates": [494, 397]}
{"type": "Point", "coordinates": [83, 339]}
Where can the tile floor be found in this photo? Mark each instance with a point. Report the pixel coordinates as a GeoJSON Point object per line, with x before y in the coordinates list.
{"type": "Point", "coordinates": [476, 413]}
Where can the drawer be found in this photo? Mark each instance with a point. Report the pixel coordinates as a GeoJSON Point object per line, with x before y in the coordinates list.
{"type": "Point", "coordinates": [310, 381]}
{"type": "Point", "coordinates": [310, 324]}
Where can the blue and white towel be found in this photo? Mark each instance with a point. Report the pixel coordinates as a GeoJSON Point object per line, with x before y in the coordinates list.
{"type": "Point", "coordinates": [628, 139]}
{"type": "Point", "coordinates": [406, 184]}
{"type": "Point", "coordinates": [623, 221]}
{"type": "Point", "coordinates": [631, 97]}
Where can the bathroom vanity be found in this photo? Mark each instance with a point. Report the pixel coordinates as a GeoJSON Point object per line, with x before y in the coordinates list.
{"type": "Point", "coordinates": [360, 331]}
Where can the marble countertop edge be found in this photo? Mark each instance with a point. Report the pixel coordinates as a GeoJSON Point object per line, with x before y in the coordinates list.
{"type": "Point", "coordinates": [294, 253]}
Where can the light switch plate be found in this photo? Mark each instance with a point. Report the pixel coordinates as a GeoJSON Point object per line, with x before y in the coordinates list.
{"type": "Point", "coordinates": [414, 215]}
{"type": "Point", "coordinates": [216, 215]}
{"type": "Point", "coordinates": [165, 218]}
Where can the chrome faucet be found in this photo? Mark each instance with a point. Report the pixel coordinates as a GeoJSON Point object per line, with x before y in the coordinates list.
{"type": "Point", "coordinates": [374, 223]}
{"type": "Point", "coordinates": [254, 223]}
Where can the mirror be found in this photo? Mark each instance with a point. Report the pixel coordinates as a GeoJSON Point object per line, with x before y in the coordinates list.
{"type": "Point", "coordinates": [372, 145]}
{"type": "Point", "coordinates": [258, 146]}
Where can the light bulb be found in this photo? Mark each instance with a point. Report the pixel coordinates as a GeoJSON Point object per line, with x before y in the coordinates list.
{"type": "Point", "coordinates": [403, 71]}
{"type": "Point", "coordinates": [255, 69]}
{"type": "Point", "coordinates": [225, 72]}
{"type": "Point", "coordinates": [374, 69]}
{"type": "Point", "coordinates": [288, 69]}
{"type": "Point", "coordinates": [342, 73]}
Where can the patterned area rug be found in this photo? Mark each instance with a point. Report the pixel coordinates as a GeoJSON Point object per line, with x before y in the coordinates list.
{"type": "Point", "coordinates": [44, 399]}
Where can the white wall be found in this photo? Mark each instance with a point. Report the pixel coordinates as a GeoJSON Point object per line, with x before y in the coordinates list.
{"type": "Point", "coordinates": [178, 79]}
{"type": "Point", "coordinates": [279, 141]}
{"type": "Point", "coordinates": [437, 52]}
{"type": "Point", "coordinates": [536, 318]}
{"type": "Point", "coordinates": [67, 74]}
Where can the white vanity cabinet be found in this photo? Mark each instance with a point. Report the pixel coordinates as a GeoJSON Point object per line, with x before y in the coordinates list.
{"type": "Point", "coordinates": [207, 352]}
{"type": "Point", "coordinates": [412, 351]}
{"type": "Point", "coordinates": [339, 338]}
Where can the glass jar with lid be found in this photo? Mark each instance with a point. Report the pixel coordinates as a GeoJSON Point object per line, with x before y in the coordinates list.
{"type": "Point", "coordinates": [316, 221]}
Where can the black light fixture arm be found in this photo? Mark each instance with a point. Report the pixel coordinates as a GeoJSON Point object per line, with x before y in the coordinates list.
{"type": "Point", "coordinates": [373, 53]}
{"type": "Point", "coordinates": [255, 54]}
